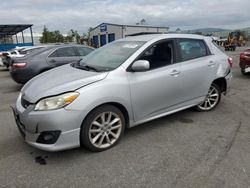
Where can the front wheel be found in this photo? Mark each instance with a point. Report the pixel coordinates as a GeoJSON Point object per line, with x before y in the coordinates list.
{"type": "Point", "coordinates": [102, 128]}
{"type": "Point", "coordinates": [212, 99]}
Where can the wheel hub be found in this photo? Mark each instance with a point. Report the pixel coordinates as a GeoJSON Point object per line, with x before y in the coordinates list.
{"type": "Point", "coordinates": [105, 129]}
{"type": "Point", "coordinates": [211, 99]}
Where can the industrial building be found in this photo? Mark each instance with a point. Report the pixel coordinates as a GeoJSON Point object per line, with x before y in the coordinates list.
{"type": "Point", "coordinates": [107, 32]}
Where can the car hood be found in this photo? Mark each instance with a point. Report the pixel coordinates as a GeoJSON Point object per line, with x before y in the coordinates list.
{"type": "Point", "coordinates": [59, 80]}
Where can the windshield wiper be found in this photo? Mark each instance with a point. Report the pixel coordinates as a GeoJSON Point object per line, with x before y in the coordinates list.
{"type": "Point", "coordinates": [91, 68]}
{"type": "Point", "coordinates": [84, 67]}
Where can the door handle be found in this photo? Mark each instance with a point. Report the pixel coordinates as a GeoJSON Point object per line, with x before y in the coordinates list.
{"type": "Point", "coordinates": [211, 63]}
{"type": "Point", "coordinates": [52, 61]}
{"type": "Point", "coordinates": [175, 73]}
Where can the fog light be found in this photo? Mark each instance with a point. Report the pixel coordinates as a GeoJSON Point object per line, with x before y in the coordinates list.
{"type": "Point", "coordinates": [48, 137]}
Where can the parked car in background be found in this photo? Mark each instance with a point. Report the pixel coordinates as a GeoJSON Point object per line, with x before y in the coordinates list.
{"type": "Point", "coordinates": [1, 59]}
{"type": "Point", "coordinates": [25, 51]}
{"type": "Point", "coordinates": [24, 68]}
{"type": "Point", "coordinates": [18, 52]}
{"type": "Point", "coordinates": [6, 59]}
{"type": "Point", "coordinates": [122, 84]}
{"type": "Point", "coordinates": [245, 61]}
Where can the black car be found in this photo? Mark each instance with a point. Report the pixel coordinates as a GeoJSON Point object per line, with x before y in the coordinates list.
{"type": "Point", "coordinates": [24, 68]}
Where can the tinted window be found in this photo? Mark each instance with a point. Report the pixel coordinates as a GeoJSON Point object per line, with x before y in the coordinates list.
{"type": "Point", "coordinates": [159, 55]}
{"type": "Point", "coordinates": [191, 49]}
{"type": "Point", "coordinates": [84, 51]}
{"type": "Point", "coordinates": [64, 52]}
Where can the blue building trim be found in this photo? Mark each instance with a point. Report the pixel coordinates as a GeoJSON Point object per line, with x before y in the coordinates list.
{"type": "Point", "coordinates": [6, 47]}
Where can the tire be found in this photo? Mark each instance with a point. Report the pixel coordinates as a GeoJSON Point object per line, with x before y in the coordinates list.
{"type": "Point", "coordinates": [212, 99]}
{"type": "Point", "coordinates": [243, 72]}
{"type": "Point", "coordinates": [97, 134]}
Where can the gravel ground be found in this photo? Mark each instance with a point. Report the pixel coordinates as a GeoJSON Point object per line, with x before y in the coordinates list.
{"type": "Point", "coordinates": [186, 149]}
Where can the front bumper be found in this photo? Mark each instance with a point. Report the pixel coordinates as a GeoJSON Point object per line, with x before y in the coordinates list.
{"type": "Point", "coordinates": [32, 124]}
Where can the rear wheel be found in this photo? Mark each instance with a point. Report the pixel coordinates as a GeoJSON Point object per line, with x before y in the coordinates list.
{"type": "Point", "coordinates": [212, 99]}
{"type": "Point", "coordinates": [102, 128]}
{"type": "Point", "coordinates": [243, 71]}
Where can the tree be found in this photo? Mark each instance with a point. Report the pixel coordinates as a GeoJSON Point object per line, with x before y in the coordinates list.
{"type": "Point", "coordinates": [88, 36]}
{"type": "Point", "coordinates": [51, 36]}
{"type": "Point", "coordinates": [56, 37]}
{"type": "Point", "coordinates": [45, 35]}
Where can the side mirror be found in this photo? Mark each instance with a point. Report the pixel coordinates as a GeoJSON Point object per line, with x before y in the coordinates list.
{"type": "Point", "coordinates": [140, 66]}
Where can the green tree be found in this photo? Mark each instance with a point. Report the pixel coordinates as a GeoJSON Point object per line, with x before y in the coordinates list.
{"type": "Point", "coordinates": [88, 36]}
{"type": "Point", "coordinates": [45, 35]}
{"type": "Point", "coordinates": [51, 36]}
{"type": "Point", "coordinates": [55, 36]}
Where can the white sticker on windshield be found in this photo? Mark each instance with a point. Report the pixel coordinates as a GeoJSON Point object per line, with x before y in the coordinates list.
{"type": "Point", "coordinates": [130, 45]}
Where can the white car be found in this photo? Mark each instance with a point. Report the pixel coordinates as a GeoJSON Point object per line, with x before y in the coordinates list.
{"type": "Point", "coordinates": [22, 51]}
{"type": "Point", "coordinates": [1, 61]}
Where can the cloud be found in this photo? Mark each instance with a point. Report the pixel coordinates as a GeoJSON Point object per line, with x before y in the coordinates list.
{"type": "Point", "coordinates": [82, 14]}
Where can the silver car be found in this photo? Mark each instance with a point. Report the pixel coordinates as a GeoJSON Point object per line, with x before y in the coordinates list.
{"type": "Point", "coordinates": [123, 84]}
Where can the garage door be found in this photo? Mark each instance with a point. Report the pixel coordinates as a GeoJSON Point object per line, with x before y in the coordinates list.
{"type": "Point", "coordinates": [111, 37]}
{"type": "Point", "coordinates": [103, 40]}
{"type": "Point", "coordinates": [95, 41]}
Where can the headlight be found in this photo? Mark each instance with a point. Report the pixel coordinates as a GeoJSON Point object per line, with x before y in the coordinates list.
{"type": "Point", "coordinates": [52, 103]}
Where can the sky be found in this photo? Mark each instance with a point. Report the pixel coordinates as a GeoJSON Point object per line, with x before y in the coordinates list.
{"type": "Point", "coordinates": [79, 15]}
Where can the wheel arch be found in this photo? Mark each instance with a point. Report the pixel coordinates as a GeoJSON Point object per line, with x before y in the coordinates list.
{"type": "Point", "coordinates": [222, 83]}
{"type": "Point", "coordinates": [120, 106]}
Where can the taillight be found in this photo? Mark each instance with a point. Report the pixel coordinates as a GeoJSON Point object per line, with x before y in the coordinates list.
{"type": "Point", "coordinates": [18, 65]}
{"type": "Point", "coordinates": [242, 55]}
{"type": "Point", "coordinates": [230, 62]}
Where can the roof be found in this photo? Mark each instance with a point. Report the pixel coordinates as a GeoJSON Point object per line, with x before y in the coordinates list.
{"type": "Point", "coordinates": [12, 29]}
{"type": "Point", "coordinates": [147, 38]}
{"type": "Point", "coordinates": [120, 25]}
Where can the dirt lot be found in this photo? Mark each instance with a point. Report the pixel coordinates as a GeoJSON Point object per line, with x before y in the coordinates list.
{"type": "Point", "coordinates": [186, 149]}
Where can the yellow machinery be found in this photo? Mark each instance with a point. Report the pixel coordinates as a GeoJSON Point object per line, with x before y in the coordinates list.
{"type": "Point", "coordinates": [234, 39]}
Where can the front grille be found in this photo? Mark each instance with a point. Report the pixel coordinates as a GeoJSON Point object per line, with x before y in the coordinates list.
{"type": "Point", "coordinates": [25, 103]}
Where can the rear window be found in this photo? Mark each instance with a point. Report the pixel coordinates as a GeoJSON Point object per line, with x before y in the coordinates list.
{"type": "Point", "coordinates": [217, 46]}
{"type": "Point", "coordinates": [192, 48]}
{"type": "Point", "coordinates": [28, 51]}
{"type": "Point", "coordinates": [84, 50]}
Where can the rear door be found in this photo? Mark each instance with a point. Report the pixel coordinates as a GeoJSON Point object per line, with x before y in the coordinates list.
{"type": "Point", "coordinates": [198, 67]}
{"type": "Point", "coordinates": [62, 56]}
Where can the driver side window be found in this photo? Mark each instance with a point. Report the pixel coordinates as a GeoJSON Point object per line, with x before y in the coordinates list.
{"type": "Point", "coordinates": [159, 55]}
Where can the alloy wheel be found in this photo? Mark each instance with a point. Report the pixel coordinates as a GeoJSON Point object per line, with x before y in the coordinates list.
{"type": "Point", "coordinates": [105, 129]}
{"type": "Point", "coordinates": [211, 100]}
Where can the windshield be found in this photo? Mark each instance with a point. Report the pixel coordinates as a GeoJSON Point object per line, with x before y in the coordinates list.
{"type": "Point", "coordinates": [111, 55]}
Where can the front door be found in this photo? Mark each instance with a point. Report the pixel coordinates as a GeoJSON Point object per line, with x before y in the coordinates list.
{"type": "Point", "coordinates": [154, 91]}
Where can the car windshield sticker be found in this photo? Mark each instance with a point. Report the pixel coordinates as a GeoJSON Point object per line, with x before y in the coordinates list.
{"type": "Point", "coordinates": [130, 45]}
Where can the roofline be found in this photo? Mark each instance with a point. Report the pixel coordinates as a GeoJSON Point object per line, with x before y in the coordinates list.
{"type": "Point", "coordinates": [150, 37]}
{"type": "Point", "coordinates": [13, 27]}
{"type": "Point", "coordinates": [17, 24]}
{"type": "Point", "coordinates": [146, 26]}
